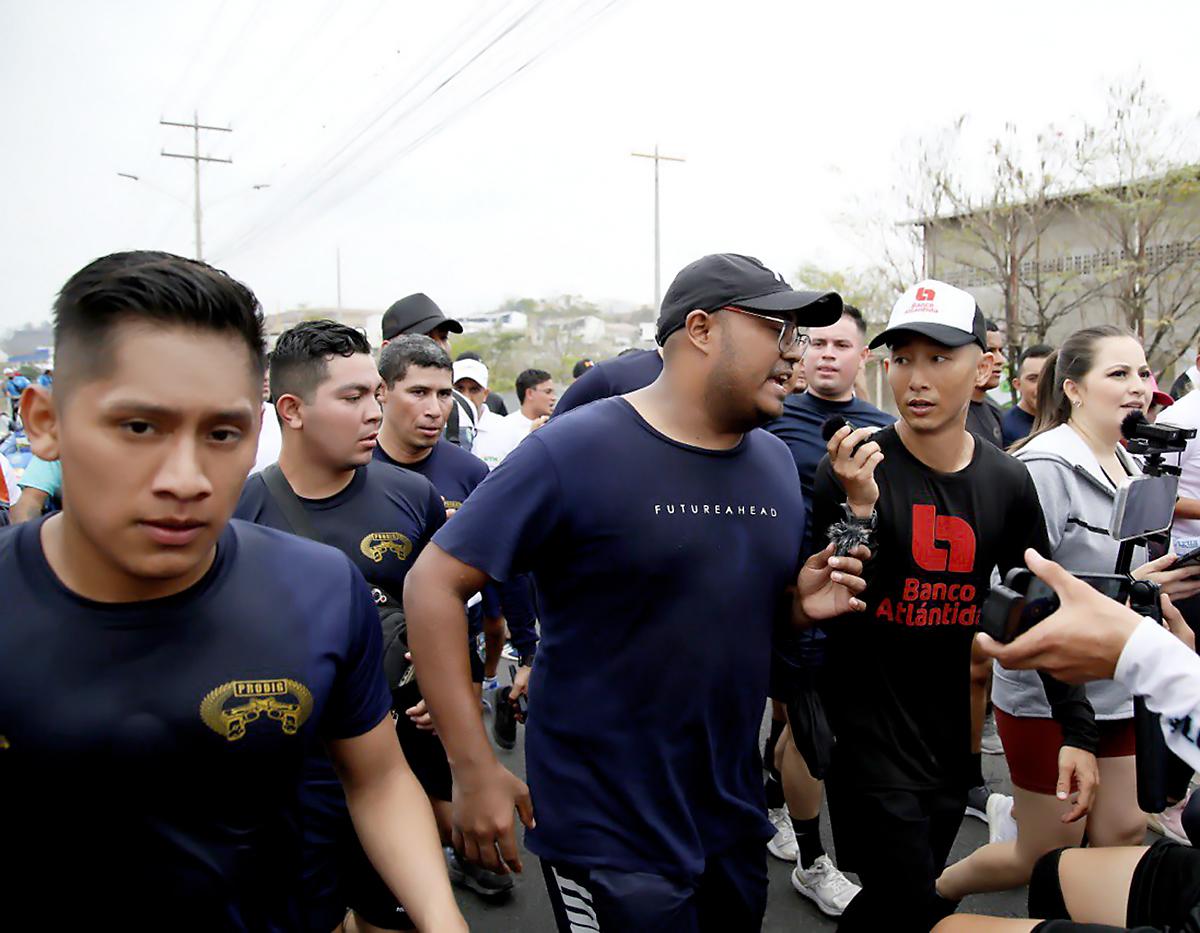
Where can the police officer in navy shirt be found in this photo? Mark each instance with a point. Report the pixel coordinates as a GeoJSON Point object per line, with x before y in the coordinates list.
{"type": "Point", "coordinates": [325, 386]}
{"type": "Point", "coordinates": [663, 533]}
{"type": "Point", "coordinates": [163, 669]}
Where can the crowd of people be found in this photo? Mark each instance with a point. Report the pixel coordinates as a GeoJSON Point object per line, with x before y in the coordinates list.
{"type": "Point", "coordinates": [257, 604]}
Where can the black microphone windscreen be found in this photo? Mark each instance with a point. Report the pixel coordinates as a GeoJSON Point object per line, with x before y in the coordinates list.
{"type": "Point", "coordinates": [832, 426]}
{"type": "Point", "coordinates": [1130, 424]}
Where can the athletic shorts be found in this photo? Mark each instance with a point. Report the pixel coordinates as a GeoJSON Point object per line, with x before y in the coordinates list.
{"type": "Point", "coordinates": [338, 876]}
{"type": "Point", "coordinates": [424, 750]}
{"type": "Point", "coordinates": [730, 897]}
{"type": "Point", "coordinates": [1031, 746]}
{"type": "Point", "coordinates": [1164, 893]}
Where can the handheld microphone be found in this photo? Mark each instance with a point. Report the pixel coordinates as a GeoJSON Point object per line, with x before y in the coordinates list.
{"type": "Point", "coordinates": [834, 424]}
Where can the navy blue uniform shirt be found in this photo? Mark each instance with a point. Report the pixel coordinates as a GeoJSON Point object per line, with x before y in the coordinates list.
{"type": "Point", "coordinates": [618, 376]}
{"type": "Point", "coordinates": [453, 471]}
{"type": "Point", "coordinates": [1016, 424]}
{"type": "Point", "coordinates": [660, 568]}
{"type": "Point", "coordinates": [152, 751]}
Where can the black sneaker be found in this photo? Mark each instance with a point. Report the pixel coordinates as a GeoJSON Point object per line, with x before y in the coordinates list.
{"type": "Point", "coordinates": [475, 878]}
{"type": "Point", "coordinates": [504, 721]}
{"type": "Point", "coordinates": [977, 798]}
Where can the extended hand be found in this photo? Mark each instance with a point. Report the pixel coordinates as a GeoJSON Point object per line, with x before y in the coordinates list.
{"type": "Point", "coordinates": [1078, 643]}
{"type": "Point", "coordinates": [827, 585]}
{"type": "Point", "coordinates": [1178, 584]}
{"type": "Point", "coordinates": [484, 829]}
{"type": "Point", "coordinates": [1077, 767]}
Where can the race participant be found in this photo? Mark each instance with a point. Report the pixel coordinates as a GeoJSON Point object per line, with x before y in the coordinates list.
{"type": "Point", "coordinates": [193, 659]}
{"type": "Point", "coordinates": [675, 539]}
{"type": "Point", "coordinates": [618, 376]}
{"type": "Point", "coordinates": [1018, 420]}
{"type": "Point", "coordinates": [325, 386]}
{"type": "Point", "coordinates": [945, 510]}
{"type": "Point", "coordinates": [835, 355]}
{"type": "Point", "coordinates": [41, 490]}
{"type": "Point", "coordinates": [535, 395]}
{"type": "Point", "coordinates": [417, 314]}
{"type": "Point", "coordinates": [984, 416]}
{"type": "Point", "coordinates": [416, 389]}
{"type": "Point", "coordinates": [1077, 463]}
{"type": "Point", "coordinates": [494, 403]}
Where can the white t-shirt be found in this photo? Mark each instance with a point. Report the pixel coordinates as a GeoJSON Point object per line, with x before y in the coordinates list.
{"type": "Point", "coordinates": [270, 439]}
{"type": "Point", "coordinates": [1185, 532]}
{"type": "Point", "coordinates": [498, 435]}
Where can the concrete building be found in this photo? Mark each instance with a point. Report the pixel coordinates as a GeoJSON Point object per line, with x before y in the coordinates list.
{"type": "Point", "coordinates": [1082, 258]}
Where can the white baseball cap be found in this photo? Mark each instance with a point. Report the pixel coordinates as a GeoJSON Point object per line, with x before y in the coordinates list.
{"type": "Point", "coordinates": [471, 369]}
{"type": "Point", "coordinates": [938, 311]}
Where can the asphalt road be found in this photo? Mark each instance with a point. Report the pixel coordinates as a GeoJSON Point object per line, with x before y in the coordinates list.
{"type": "Point", "coordinates": [528, 909]}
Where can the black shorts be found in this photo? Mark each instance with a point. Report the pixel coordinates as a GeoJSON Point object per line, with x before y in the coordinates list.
{"type": "Point", "coordinates": [338, 876]}
{"type": "Point", "coordinates": [1164, 893]}
{"type": "Point", "coordinates": [424, 750]}
{"type": "Point", "coordinates": [730, 897]}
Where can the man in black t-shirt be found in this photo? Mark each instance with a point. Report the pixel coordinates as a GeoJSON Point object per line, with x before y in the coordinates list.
{"type": "Point", "coordinates": [325, 386]}
{"type": "Point", "coordinates": [163, 670]}
{"type": "Point", "coordinates": [946, 510]}
{"type": "Point", "coordinates": [984, 418]}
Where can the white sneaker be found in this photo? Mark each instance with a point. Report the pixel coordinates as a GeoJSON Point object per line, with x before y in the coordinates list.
{"type": "Point", "coordinates": [825, 886]}
{"type": "Point", "coordinates": [783, 844]}
{"type": "Point", "coordinates": [1001, 825]}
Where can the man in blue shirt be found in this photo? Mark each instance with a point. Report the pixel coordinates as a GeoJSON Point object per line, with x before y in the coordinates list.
{"type": "Point", "coordinates": [663, 533]}
{"type": "Point", "coordinates": [835, 356]}
{"type": "Point", "coordinates": [325, 386]}
{"type": "Point", "coordinates": [14, 385]}
{"type": "Point", "coordinates": [163, 669]}
{"type": "Point", "coordinates": [1018, 420]}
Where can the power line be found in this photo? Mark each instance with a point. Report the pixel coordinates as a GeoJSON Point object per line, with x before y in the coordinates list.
{"type": "Point", "coordinates": [196, 126]}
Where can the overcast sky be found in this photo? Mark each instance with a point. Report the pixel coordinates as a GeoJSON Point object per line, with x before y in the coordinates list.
{"type": "Point", "coordinates": [382, 128]}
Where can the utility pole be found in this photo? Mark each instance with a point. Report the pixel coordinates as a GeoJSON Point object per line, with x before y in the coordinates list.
{"type": "Point", "coordinates": [196, 126]}
{"type": "Point", "coordinates": [657, 254]}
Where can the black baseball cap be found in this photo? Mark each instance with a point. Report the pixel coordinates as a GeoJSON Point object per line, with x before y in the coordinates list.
{"type": "Point", "coordinates": [416, 314]}
{"type": "Point", "coordinates": [723, 279]}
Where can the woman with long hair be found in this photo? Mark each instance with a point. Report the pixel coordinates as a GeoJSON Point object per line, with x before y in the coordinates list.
{"type": "Point", "coordinates": [1077, 462]}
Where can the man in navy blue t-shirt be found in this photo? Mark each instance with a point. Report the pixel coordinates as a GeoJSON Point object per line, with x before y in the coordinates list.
{"type": "Point", "coordinates": [163, 669]}
{"type": "Point", "coordinates": [663, 533]}
{"type": "Point", "coordinates": [325, 386]}
{"type": "Point", "coordinates": [618, 376]}
{"type": "Point", "coordinates": [835, 356]}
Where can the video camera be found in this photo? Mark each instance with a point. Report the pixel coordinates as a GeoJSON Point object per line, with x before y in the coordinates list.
{"type": "Point", "coordinates": [1143, 512]}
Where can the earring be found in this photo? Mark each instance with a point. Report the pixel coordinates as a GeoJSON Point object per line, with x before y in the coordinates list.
{"type": "Point", "coordinates": [1077, 403]}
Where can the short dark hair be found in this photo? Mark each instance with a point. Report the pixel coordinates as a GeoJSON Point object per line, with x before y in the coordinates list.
{"type": "Point", "coordinates": [152, 286]}
{"type": "Point", "coordinates": [468, 355]}
{"type": "Point", "coordinates": [857, 316]}
{"type": "Point", "coordinates": [581, 367]}
{"type": "Point", "coordinates": [528, 379]}
{"type": "Point", "coordinates": [992, 326]}
{"type": "Point", "coordinates": [300, 360]}
{"type": "Point", "coordinates": [411, 350]}
{"type": "Point", "coordinates": [1037, 352]}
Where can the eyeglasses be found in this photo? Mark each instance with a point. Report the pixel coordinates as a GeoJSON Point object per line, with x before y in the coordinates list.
{"type": "Point", "coordinates": [790, 335]}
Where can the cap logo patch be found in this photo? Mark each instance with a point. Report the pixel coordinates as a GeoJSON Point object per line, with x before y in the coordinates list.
{"type": "Point", "coordinates": [925, 294]}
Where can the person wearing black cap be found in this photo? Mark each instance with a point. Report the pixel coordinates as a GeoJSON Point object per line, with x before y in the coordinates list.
{"type": "Point", "coordinates": [676, 538]}
{"type": "Point", "coordinates": [419, 314]}
{"type": "Point", "coordinates": [945, 509]}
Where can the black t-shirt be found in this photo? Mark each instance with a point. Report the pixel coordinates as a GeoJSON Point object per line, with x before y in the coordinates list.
{"type": "Point", "coordinates": [659, 569]}
{"type": "Point", "coordinates": [381, 520]}
{"type": "Point", "coordinates": [453, 471]}
{"type": "Point", "coordinates": [898, 676]}
{"type": "Point", "coordinates": [1017, 424]}
{"type": "Point", "coordinates": [984, 420]}
{"type": "Point", "coordinates": [152, 751]}
{"type": "Point", "coordinates": [800, 428]}
{"type": "Point", "coordinates": [495, 402]}
{"type": "Point", "coordinates": [618, 376]}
